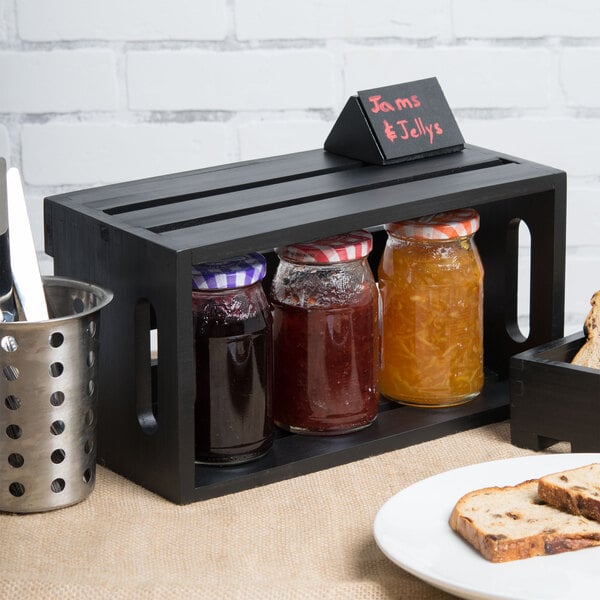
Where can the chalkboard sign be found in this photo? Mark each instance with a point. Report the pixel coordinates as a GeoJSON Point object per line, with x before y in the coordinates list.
{"type": "Point", "coordinates": [396, 123]}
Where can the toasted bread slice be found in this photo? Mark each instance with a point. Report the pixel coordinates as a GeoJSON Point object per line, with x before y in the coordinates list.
{"type": "Point", "coordinates": [511, 523]}
{"type": "Point", "coordinates": [589, 353]}
{"type": "Point", "coordinates": [576, 491]}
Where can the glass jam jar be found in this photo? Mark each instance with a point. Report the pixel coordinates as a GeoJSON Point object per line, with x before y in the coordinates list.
{"type": "Point", "coordinates": [326, 340]}
{"type": "Point", "coordinates": [431, 286]}
{"type": "Point", "coordinates": [233, 350]}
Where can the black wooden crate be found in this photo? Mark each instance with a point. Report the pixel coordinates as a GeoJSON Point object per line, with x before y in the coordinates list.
{"type": "Point", "coordinates": [140, 239]}
{"type": "Point", "coordinates": [553, 400]}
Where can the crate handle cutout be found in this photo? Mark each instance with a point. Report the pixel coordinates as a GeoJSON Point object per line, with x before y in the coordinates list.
{"type": "Point", "coordinates": [146, 366]}
{"type": "Point", "coordinates": [518, 281]}
{"type": "Point", "coordinates": [524, 278]}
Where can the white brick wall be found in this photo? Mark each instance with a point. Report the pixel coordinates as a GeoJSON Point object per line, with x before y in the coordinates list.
{"type": "Point", "coordinates": [4, 20]}
{"type": "Point", "coordinates": [138, 20]}
{"type": "Point", "coordinates": [4, 141]}
{"type": "Point", "coordinates": [179, 80]}
{"type": "Point", "coordinates": [580, 89]}
{"type": "Point", "coordinates": [258, 138]}
{"type": "Point", "coordinates": [58, 81]}
{"type": "Point", "coordinates": [96, 92]}
{"type": "Point", "coordinates": [316, 19]}
{"type": "Point", "coordinates": [471, 77]}
{"type": "Point", "coordinates": [563, 142]}
{"type": "Point", "coordinates": [533, 19]}
{"type": "Point", "coordinates": [106, 152]}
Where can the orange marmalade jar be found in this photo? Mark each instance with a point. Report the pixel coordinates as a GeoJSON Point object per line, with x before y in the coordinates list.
{"type": "Point", "coordinates": [431, 286]}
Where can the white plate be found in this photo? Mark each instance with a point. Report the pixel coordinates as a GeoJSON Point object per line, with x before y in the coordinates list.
{"type": "Point", "coordinates": [412, 530]}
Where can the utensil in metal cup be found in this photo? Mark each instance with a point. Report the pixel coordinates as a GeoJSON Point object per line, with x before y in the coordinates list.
{"type": "Point", "coordinates": [48, 400]}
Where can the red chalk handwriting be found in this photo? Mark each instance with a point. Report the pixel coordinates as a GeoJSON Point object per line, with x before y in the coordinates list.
{"type": "Point", "coordinates": [407, 131]}
{"type": "Point", "coordinates": [407, 120]}
{"type": "Point", "coordinates": [380, 106]}
{"type": "Point", "coordinates": [400, 104]}
{"type": "Point", "coordinates": [390, 134]}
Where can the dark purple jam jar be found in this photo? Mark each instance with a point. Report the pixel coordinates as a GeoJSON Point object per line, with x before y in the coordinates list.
{"type": "Point", "coordinates": [233, 351]}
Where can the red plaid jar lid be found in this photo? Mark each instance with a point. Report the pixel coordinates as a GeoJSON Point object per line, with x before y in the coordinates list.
{"type": "Point", "coordinates": [441, 226]}
{"type": "Point", "coordinates": [337, 248]}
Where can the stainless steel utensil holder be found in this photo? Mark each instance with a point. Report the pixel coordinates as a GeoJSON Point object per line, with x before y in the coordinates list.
{"type": "Point", "coordinates": [48, 398]}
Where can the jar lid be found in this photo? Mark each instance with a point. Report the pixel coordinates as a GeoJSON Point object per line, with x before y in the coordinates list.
{"type": "Point", "coordinates": [441, 226]}
{"type": "Point", "coordinates": [231, 273]}
{"type": "Point", "coordinates": [337, 248]}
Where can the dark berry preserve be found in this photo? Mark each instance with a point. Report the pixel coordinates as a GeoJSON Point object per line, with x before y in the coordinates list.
{"type": "Point", "coordinates": [233, 351]}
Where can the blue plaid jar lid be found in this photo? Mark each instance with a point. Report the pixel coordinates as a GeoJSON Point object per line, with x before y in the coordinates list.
{"type": "Point", "coordinates": [228, 274]}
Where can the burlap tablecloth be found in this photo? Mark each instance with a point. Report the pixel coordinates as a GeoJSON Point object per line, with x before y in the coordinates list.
{"type": "Point", "coordinates": [308, 537]}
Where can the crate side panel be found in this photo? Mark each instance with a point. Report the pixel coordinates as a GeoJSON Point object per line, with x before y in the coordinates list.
{"type": "Point", "coordinates": [553, 401]}
{"type": "Point", "coordinates": [133, 270]}
{"type": "Point", "coordinates": [544, 214]}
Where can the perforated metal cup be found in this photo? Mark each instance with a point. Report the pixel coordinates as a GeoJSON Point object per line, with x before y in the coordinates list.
{"type": "Point", "coordinates": [48, 399]}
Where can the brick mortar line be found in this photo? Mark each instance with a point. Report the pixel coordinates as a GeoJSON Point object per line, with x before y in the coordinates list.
{"type": "Point", "coordinates": [233, 44]}
{"type": "Point", "coordinates": [135, 117]}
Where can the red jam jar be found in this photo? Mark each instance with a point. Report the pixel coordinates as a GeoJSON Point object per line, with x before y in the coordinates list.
{"type": "Point", "coordinates": [325, 332]}
{"type": "Point", "coordinates": [233, 351]}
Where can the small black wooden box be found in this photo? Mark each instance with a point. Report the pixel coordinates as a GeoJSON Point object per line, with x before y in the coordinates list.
{"type": "Point", "coordinates": [552, 400]}
{"type": "Point", "coordinates": [141, 238]}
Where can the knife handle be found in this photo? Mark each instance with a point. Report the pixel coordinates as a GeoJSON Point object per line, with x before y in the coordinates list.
{"type": "Point", "coordinates": [8, 309]}
{"type": "Point", "coordinates": [7, 300]}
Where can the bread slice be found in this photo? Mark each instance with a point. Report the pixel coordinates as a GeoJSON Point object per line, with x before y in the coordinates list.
{"type": "Point", "coordinates": [511, 523]}
{"type": "Point", "coordinates": [576, 491]}
{"type": "Point", "coordinates": [589, 353]}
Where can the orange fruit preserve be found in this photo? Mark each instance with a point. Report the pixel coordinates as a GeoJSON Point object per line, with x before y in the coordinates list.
{"type": "Point", "coordinates": [431, 286]}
